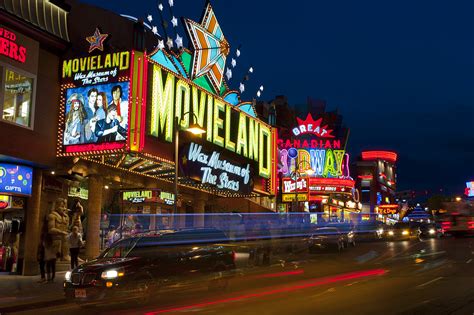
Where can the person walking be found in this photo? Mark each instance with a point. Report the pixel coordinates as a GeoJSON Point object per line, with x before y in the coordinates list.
{"type": "Point", "coordinates": [50, 256]}
{"type": "Point", "coordinates": [75, 244]}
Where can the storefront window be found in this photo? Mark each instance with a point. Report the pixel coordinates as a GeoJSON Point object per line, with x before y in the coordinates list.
{"type": "Point", "coordinates": [17, 98]}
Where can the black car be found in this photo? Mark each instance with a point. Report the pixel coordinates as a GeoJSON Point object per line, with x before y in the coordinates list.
{"type": "Point", "coordinates": [402, 231]}
{"type": "Point", "coordinates": [133, 268]}
{"type": "Point", "coordinates": [326, 238]}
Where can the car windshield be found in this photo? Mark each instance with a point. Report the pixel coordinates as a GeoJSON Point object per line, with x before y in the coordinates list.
{"type": "Point", "coordinates": [120, 249]}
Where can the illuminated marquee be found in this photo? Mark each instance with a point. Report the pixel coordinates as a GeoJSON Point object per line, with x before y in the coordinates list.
{"type": "Point", "coordinates": [9, 47]}
{"type": "Point", "coordinates": [313, 145]}
{"type": "Point", "coordinates": [225, 126]}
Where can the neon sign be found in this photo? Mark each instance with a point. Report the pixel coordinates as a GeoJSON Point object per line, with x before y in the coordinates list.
{"type": "Point", "coordinates": [225, 126]}
{"type": "Point", "coordinates": [379, 155]}
{"type": "Point", "coordinates": [311, 126]}
{"type": "Point", "coordinates": [9, 47]}
{"type": "Point", "coordinates": [211, 169]}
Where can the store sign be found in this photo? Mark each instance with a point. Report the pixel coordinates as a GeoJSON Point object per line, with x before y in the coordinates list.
{"type": "Point", "coordinates": [469, 191]}
{"type": "Point", "coordinates": [225, 126]}
{"type": "Point", "coordinates": [168, 198]}
{"type": "Point", "coordinates": [294, 197]}
{"type": "Point", "coordinates": [15, 179]}
{"type": "Point", "coordinates": [388, 209]}
{"type": "Point", "coordinates": [289, 185]}
{"type": "Point", "coordinates": [210, 168]}
{"type": "Point", "coordinates": [95, 98]}
{"type": "Point", "coordinates": [137, 196]}
{"type": "Point", "coordinates": [330, 185]}
{"type": "Point", "coordinates": [9, 46]}
{"type": "Point", "coordinates": [78, 192]}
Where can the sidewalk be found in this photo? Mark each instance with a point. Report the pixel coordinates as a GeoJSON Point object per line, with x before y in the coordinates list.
{"type": "Point", "coordinates": [26, 292]}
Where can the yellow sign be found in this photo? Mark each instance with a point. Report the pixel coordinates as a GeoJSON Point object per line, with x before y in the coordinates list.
{"type": "Point", "coordinates": [146, 194]}
{"type": "Point", "coordinates": [120, 61]}
{"type": "Point", "coordinates": [292, 197]}
{"type": "Point", "coordinates": [225, 126]}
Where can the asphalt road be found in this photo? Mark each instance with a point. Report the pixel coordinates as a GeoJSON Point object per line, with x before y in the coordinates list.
{"type": "Point", "coordinates": [409, 277]}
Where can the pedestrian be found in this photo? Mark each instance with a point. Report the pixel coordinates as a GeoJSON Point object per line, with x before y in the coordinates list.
{"type": "Point", "coordinates": [75, 244]}
{"type": "Point", "coordinates": [50, 254]}
{"type": "Point", "coordinates": [40, 257]}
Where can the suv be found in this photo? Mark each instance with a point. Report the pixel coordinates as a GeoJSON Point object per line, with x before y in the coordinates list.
{"type": "Point", "coordinates": [132, 268]}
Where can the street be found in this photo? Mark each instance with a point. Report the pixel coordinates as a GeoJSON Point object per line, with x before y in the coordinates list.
{"type": "Point", "coordinates": [432, 276]}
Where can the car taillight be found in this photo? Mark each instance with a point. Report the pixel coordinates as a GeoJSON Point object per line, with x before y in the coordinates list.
{"type": "Point", "coordinates": [470, 225]}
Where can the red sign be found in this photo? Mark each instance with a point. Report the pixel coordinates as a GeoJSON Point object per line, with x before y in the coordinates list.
{"type": "Point", "coordinates": [379, 155]}
{"type": "Point", "coordinates": [311, 126]}
{"type": "Point", "coordinates": [9, 48]}
{"type": "Point", "coordinates": [289, 185]}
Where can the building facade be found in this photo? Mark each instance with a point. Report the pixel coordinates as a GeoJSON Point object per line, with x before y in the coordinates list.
{"type": "Point", "coordinates": [377, 182]}
{"type": "Point", "coordinates": [31, 42]}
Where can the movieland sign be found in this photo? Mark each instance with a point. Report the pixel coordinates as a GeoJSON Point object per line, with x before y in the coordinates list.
{"type": "Point", "coordinates": [225, 126]}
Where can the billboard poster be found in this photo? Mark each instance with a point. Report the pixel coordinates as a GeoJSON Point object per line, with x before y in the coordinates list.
{"type": "Point", "coordinates": [95, 103]}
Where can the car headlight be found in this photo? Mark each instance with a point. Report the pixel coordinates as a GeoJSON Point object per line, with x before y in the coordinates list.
{"type": "Point", "coordinates": [67, 276]}
{"type": "Point", "coordinates": [405, 232]}
{"type": "Point", "coordinates": [432, 231]}
{"type": "Point", "coordinates": [390, 232]}
{"type": "Point", "coordinates": [111, 274]}
{"type": "Point", "coordinates": [380, 231]}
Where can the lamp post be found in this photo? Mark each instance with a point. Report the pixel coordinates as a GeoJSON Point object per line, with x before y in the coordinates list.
{"type": "Point", "coordinates": [195, 129]}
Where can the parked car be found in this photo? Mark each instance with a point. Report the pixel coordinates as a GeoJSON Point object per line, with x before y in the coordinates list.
{"type": "Point", "coordinates": [326, 238]}
{"type": "Point", "coordinates": [133, 268]}
{"type": "Point", "coordinates": [348, 232]}
{"type": "Point", "coordinates": [402, 231]}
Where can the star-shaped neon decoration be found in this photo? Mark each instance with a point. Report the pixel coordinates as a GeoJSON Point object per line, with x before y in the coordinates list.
{"type": "Point", "coordinates": [96, 40]}
{"type": "Point", "coordinates": [210, 48]}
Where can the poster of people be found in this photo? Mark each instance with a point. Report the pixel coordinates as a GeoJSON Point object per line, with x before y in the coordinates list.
{"type": "Point", "coordinates": [96, 114]}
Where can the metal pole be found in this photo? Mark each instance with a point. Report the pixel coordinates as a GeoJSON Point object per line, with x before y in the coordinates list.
{"type": "Point", "coordinates": [176, 148]}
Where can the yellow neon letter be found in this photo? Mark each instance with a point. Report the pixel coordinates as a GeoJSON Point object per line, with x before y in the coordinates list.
{"type": "Point", "coordinates": [253, 139]}
{"type": "Point", "coordinates": [265, 156]}
{"type": "Point", "coordinates": [182, 91]}
{"type": "Point", "coordinates": [229, 145]}
{"type": "Point", "coordinates": [242, 136]}
{"type": "Point", "coordinates": [162, 105]}
{"type": "Point", "coordinates": [218, 122]}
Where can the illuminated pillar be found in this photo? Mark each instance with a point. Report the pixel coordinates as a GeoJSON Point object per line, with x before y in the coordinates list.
{"type": "Point", "coordinates": [33, 225]}
{"type": "Point", "coordinates": [93, 216]}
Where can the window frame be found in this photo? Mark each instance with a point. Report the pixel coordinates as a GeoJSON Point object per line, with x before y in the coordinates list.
{"type": "Point", "coordinates": [4, 66]}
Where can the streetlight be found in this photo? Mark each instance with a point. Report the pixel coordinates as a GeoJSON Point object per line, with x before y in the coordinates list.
{"type": "Point", "coordinates": [458, 199]}
{"type": "Point", "coordinates": [195, 129]}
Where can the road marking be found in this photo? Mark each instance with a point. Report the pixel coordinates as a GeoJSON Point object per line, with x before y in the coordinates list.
{"type": "Point", "coordinates": [431, 281]}
{"type": "Point", "coordinates": [467, 262]}
{"type": "Point", "coordinates": [324, 292]}
{"type": "Point", "coordinates": [352, 283]}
